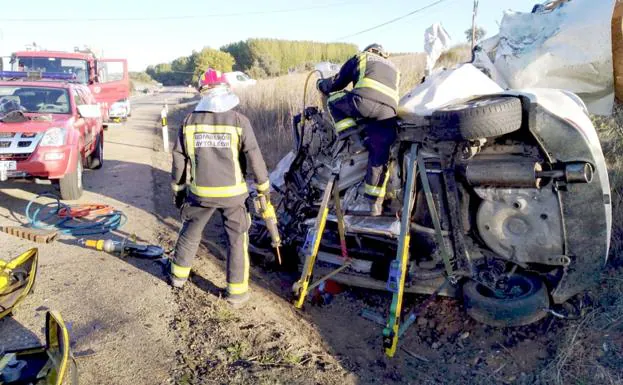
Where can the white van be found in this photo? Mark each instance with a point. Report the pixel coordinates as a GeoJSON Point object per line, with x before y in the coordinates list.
{"type": "Point", "coordinates": [239, 79]}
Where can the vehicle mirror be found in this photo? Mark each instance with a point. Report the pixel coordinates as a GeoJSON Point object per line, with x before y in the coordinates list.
{"type": "Point", "coordinates": [89, 111]}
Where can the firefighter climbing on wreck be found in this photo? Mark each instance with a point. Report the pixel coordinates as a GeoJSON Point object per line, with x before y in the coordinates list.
{"type": "Point", "coordinates": [213, 140]}
{"type": "Point", "coordinates": [372, 101]}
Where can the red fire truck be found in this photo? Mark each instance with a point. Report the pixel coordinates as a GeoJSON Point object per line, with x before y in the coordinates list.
{"type": "Point", "coordinates": [107, 78]}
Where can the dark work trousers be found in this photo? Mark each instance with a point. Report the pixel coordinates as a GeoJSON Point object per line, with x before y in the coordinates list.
{"type": "Point", "coordinates": [380, 126]}
{"type": "Point", "coordinates": [381, 135]}
{"type": "Point", "coordinates": [236, 222]}
{"type": "Point", "coordinates": [347, 109]}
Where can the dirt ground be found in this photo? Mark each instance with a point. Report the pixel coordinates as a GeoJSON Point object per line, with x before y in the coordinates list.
{"type": "Point", "coordinates": [118, 310]}
{"type": "Point", "coordinates": [129, 327]}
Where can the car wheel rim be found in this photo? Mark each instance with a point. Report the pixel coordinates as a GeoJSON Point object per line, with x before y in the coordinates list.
{"type": "Point", "coordinates": [518, 287]}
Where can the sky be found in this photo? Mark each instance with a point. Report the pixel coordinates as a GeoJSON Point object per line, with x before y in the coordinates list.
{"type": "Point", "coordinates": [151, 32]}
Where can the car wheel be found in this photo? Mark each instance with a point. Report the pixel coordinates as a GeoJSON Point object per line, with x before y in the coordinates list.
{"type": "Point", "coordinates": [96, 159]}
{"type": "Point", "coordinates": [482, 117]}
{"type": "Point", "coordinates": [71, 184]}
{"type": "Point", "coordinates": [524, 302]}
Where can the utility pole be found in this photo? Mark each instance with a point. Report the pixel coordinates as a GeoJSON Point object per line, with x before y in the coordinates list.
{"type": "Point", "coordinates": [474, 24]}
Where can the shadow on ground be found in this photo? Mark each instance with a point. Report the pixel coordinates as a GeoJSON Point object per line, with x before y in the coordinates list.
{"type": "Point", "coordinates": [20, 337]}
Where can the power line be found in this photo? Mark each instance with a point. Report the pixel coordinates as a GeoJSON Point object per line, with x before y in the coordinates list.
{"type": "Point", "coordinates": [393, 20]}
{"type": "Point", "coordinates": [181, 17]}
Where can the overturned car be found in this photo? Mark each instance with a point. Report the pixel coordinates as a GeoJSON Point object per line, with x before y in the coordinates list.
{"type": "Point", "coordinates": [504, 195]}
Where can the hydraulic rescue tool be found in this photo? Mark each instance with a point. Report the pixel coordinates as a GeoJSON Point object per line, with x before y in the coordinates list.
{"type": "Point", "coordinates": [17, 278]}
{"type": "Point", "coordinates": [124, 248]}
{"type": "Point", "coordinates": [266, 210]}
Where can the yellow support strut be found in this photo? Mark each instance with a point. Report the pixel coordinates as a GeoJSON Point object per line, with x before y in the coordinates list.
{"type": "Point", "coordinates": [301, 287]}
{"type": "Point", "coordinates": [397, 286]}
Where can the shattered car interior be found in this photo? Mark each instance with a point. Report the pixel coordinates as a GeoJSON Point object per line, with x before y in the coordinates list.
{"type": "Point", "coordinates": [509, 202]}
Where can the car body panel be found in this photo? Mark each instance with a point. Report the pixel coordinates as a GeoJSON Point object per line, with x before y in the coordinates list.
{"type": "Point", "coordinates": [49, 162]}
{"type": "Point", "coordinates": [564, 131]}
{"type": "Point", "coordinates": [120, 110]}
{"type": "Point", "coordinates": [239, 79]}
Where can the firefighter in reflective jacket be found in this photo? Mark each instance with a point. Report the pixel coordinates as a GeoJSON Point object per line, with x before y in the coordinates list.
{"type": "Point", "coordinates": [213, 141]}
{"type": "Point", "coordinates": [374, 97]}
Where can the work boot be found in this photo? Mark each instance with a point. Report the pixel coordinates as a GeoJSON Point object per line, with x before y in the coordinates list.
{"type": "Point", "coordinates": [172, 280]}
{"type": "Point", "coordinates": [237, 301]}
{"type": "Point", "coordinates": [374, 207]}
{"type": "Point", "coordinates": [176, 282]}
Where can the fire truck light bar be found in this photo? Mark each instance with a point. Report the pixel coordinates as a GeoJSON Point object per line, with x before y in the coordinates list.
{"type": "Point", "coordinates": [37, 75]}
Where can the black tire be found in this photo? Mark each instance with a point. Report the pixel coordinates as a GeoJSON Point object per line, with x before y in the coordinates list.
{"type": "Point", "coordinates": [482, 117]}
{"type": "Point", "coordinates": [96, 159]}
{"type": "Point", "coordinates": [71, 184]}
{"type": "Point", "coordinates": [482, 305]}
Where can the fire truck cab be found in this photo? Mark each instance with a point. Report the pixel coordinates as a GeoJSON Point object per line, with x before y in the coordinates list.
{"type": "Point", "coordinates": [107, 78]}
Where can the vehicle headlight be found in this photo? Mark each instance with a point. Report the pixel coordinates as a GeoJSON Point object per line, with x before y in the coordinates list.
{"type": "Point", "coordinates": [53, 137]}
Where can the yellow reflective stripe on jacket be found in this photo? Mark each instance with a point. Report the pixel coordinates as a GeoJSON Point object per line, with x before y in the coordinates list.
{"type": "Point", "coordinates": [263, 186]}
{"type": "Point", "coordinates": [180, 271]}
{"type": "Point", "coordinates": [219, 192]}
{"type": "Point", "coordinates": [363, 61]}
{"type": "Point", "coordinates": [336, 95]}
{"type": "Point", "coordinates": [345, 124]}
{"type": "Point", "coordinates": [365, 82]}
{"type": "Point", "coordinates": [378, 86]}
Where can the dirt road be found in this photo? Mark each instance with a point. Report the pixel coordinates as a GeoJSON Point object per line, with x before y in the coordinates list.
{"type": "Point", "coordinates": [119, 310]}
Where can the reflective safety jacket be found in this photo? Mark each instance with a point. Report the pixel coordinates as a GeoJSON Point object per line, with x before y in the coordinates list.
{"type": "Point", "coordinates": [218, 146]}
{"type": "Point", "coordinates": [373, 77]}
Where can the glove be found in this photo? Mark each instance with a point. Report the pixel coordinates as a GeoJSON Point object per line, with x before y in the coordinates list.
{"type": "Point", "coordinates": [321, 86]}
{"type": "Point", "coordinates": [266, 194]}
{"type": "Point", "coordinates": [263, 189]}
{"type": "Point", "coordinates": [179, 198]}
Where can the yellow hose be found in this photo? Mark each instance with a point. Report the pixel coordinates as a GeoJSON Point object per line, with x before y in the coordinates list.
{"type": "Point", "coordinates": [305, 93]}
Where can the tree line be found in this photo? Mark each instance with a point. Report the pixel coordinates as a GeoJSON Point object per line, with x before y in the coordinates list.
{"type": "Point", "coordinates": [260, 58]}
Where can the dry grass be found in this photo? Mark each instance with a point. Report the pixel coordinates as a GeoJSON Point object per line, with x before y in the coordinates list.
{"type": "Point", "coordinates": [461, 53]}
{"type": "Point", "coordinates": [411, 70]}
{"type": "Point", "coordinates": [270, 106]}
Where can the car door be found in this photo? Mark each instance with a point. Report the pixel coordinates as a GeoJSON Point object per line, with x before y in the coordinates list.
{"type": "Point", "coordinates": [113, 83]}
{"type": "Point", "coordinates": [81, 124]}
{"type": "Point", "coordinates": [92, 124]}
